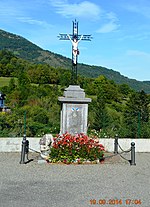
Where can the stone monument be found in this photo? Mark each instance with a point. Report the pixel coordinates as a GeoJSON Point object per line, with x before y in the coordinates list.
{"type": "Point", "coordinates": [74, 110]}
{"type": "Point", "coordinates": [74, 105]}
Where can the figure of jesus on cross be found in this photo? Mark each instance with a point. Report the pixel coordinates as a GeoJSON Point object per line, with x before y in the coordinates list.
{"type": "Point", "coordinates": [75, 49]}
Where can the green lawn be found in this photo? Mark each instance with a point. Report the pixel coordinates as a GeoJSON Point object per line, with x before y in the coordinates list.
{"type": "Point", "coordinates": [4, 81]}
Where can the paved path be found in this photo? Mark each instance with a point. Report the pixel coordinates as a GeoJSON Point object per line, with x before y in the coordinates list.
{"type": "Point", "coordinates": [47, 185]}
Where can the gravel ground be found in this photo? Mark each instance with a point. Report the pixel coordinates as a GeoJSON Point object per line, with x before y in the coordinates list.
{"type": "Point", "coordinates": [50, 185]}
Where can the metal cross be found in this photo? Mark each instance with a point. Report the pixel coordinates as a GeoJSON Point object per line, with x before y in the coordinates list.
{"type": "Point", "coordinates": [74, 38]}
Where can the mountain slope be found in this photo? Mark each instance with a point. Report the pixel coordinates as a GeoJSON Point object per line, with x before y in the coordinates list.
{"type": "Point", "coordinates": [29, 51]}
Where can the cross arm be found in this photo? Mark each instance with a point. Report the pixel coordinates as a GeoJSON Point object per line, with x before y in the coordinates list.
{"type": "Point", "coordinates": [65, 37]}
{"type": "Point", "coordinates": [86, 37]}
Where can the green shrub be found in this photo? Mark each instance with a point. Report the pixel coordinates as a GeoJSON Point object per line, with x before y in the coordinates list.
{"type": "Point", "coordinates": [75, 148]}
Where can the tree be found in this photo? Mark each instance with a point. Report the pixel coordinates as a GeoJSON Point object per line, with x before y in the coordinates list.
{"type": "Point", "coordinates": [101, 115]}
{"type": "Point", "coordinates": [65, 78]}
{"type": "Point", "coordinates": [24, 85]}
{"type": "Point", "coordinates": [136, 114]}
{"type": "Point", "coordinates": [124, 89]}
{"type": "Point", "coordinates": [12, 85]}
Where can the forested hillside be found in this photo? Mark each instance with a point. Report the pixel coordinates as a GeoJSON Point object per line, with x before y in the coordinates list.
{"type": "Point", "coordinates": [35, 88]}
{"type": "Point", "coordinates": [31, 52]}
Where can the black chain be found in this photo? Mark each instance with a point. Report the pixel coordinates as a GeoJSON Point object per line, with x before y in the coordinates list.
{"type": "Point", "coordinates": [34, 150]}
{"type": "Point", "coordinates": [124, 158]}
{"type": "Point", "coordinates": [110, 156]}
{"type": "Point", "coordinates": [115, 154]}
{"type": "Point", "coordinates": [122, 149]}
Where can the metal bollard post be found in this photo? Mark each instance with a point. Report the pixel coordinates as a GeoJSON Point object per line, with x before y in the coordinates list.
{"type": "Point", "coordinates": [23, 150]}
{"type": "Point", "coordinates": [27, 148]}
{"type": "Point", "coordinates": [132, 154]}
{"type": "Point", "coordinates": [116, 145]}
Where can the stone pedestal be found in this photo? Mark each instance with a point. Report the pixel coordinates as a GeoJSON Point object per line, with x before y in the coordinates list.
{"type": "Point", "coordinates": [74, 110]}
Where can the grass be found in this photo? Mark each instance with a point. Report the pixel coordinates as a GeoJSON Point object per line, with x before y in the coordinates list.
{"type": "Point", "coordinates": [4, 81]}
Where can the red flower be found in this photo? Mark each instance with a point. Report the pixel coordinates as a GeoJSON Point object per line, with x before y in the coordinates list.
{"type": "Point", "coordinates": [70, 147]}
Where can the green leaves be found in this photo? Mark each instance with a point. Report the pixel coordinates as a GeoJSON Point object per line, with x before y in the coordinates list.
{"type": "Point", "coordinates": [78, 148]}
{"type": "Point", "coordinates": [115, 109]}
{"type": "Point", "coordinates": [136, 115]}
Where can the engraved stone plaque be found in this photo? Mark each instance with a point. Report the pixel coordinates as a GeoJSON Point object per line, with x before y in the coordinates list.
{"type": "Point", "coordinates": [74, 112]}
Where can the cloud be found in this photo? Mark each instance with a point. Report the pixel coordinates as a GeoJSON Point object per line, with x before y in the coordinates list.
{"type": "Point", "coordinates": [139, 7]}
{"type": "Point", "coordinates": [138, 54]}
{"type": "Point", "coordinates": [29, 20]}
{"type": "Point", "coordinates": [12, 11]}
{"type": "Point", "coordinates": [84, 9]}
{"type": "Point", "coordinates": [140, 37]}
{"type": "Point", "coordinates": [111, 25]}
{"type": "Point", "coordinates": [87, 9]}
{"type": "Point", "coordinates": [7, 10]}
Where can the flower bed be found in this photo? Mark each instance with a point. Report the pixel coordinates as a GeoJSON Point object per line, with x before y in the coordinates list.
{"type": "Point", "coordinates": [76, 149]}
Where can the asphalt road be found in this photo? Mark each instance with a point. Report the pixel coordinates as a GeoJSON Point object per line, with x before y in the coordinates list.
{"type": "Point", "coordinates": [50, 185]}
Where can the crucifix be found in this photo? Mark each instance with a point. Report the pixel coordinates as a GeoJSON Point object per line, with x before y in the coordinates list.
{"type": "Point", "coordinates": [75, 38]}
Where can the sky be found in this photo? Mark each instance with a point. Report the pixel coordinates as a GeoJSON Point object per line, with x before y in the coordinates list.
{"type": "Point", "coordinates": [120, 30]}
